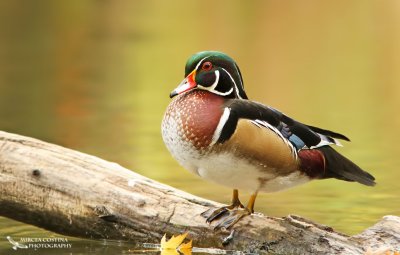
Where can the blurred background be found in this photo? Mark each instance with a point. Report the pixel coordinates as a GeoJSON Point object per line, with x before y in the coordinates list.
{"type": "Point", "coordinates": [95, 76]}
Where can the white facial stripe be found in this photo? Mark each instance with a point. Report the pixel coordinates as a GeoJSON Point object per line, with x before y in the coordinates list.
{"type": "Point", "coordinates": [214, 85]}
{"type": "Point", "coordinates": [222, 93]}
{"type": "Point", "coordinates": [222, 121]}
{"type": "Point", "coordinates": [201, 61]}
{"type": "Point", "coordinates": [236, 87]}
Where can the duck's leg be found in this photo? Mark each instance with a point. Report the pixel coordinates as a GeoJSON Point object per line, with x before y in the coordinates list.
{"type": "Point", "coordinates": [211, 214]}
{"type": "Point", "coordinates": [235, 215]}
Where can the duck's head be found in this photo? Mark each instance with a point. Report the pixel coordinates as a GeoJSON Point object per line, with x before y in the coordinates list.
{"type": "Point", "coordinates": [212, 71]}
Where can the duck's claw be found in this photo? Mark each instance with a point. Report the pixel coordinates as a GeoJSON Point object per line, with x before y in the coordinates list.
{"type": "Point", "coordinates": [213, 214]}
{"type": "Point", "coordinates": [232, 218]}
{"type": "Point", "coordinates": [230, 215]}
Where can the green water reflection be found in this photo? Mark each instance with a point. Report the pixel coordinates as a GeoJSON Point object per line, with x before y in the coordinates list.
{"type": "Point", "coordinates": [95, 76]}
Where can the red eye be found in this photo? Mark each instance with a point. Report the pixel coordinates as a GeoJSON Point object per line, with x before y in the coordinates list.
{"type": "Point", "coordinates": [206, 66]}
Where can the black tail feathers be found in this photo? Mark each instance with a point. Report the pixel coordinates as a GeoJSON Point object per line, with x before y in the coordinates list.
{"type": "Point", "coordinates": [339, 167]}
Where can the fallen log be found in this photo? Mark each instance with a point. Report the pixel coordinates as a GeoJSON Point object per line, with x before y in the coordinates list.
{"type": "Point", "coordinates": [79, 195]}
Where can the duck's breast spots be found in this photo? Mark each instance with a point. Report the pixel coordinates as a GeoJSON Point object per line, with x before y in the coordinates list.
{"type": "Point", "coordinates": [200, 112]}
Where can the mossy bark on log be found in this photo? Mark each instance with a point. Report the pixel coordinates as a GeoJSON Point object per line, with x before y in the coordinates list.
{"type": "Point", "coordinates": [76, 194]}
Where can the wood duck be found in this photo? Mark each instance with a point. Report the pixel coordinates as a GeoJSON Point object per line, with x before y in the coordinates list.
{"type": "Point", "coordinates": [213, 130]}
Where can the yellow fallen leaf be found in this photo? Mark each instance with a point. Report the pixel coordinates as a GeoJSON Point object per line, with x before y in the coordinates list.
{"type": "Point", "coordinates": [187, 245]}
{"type": "Point", "coordinates": [169, 252]}
{"type": "Point", "coordinates": [173, 242]}
{"type": "Point", "coordinates": [186, 248]}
